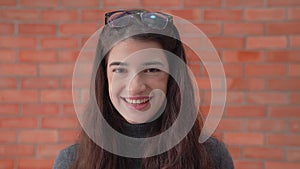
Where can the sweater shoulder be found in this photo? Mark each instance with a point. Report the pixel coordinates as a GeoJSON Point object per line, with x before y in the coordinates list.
{"type": "Point", "coordinates": [219, 153]}
{"type": "Point", "coordinates": [65, 157]}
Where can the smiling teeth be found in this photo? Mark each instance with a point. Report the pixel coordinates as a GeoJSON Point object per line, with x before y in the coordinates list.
{"type": "Point", "coordinates": [135, 101]}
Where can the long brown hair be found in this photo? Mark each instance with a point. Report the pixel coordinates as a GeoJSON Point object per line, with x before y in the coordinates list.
{"type": "Point", "coordinates": [188, 153]}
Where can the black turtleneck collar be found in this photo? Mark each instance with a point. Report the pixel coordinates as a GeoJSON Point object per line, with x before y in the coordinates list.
{"type": "Point", "coordinates": [141, 130]}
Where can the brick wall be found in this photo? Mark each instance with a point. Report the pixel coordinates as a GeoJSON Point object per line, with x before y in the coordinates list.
{"type": "Point", "coordinates": [258, 42]}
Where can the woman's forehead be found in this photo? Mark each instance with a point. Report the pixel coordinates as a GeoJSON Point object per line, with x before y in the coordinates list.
{"type": "Point", "coordinates": [138, 51]}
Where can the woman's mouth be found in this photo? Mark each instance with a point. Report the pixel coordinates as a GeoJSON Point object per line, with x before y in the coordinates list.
{"type": "Point", "coordinates": [137, 103]}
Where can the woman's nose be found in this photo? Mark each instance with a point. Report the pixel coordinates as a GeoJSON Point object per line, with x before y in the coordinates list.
{"type": "Point", "coordinates": [136, 85]}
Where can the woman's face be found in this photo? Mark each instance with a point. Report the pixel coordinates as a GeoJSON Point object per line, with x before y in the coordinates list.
{"type": "Point", "coordinates": [137, 79]}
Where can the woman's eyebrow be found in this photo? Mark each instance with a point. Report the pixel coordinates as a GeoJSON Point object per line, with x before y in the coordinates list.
{"type": "Point", "coordinates": [153, 63]}
{"type": "Point", "coordinates": [118, 64]}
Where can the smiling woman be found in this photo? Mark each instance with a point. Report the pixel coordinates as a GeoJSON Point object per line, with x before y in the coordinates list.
{"type": "Point", "coordinates": [140, 91]}
{"type": "Point", "coordinates": [136, 78]}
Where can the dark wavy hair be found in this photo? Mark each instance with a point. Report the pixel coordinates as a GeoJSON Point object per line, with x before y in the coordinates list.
{"type": "Point", "coordinates": [188, 153]}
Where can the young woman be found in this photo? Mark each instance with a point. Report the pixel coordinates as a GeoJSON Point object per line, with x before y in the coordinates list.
{"type": "Point", "coordinates": [140, 90]}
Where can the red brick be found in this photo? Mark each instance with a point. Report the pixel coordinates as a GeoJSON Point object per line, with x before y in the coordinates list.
{"type": "Point", "coordinates": [8, 3]}
{"type": "Point", "coordinates": [286, 84]}
{"type": "Point", "coordinates": [266, 125]}
{"type": "Point", "coordinates": [57, 96]}
{"type": "Point", "coordinates": [50, 150]}
{"type": "Point", "coordinates": [280, 165]}
{"type": "Point", "coordinates": [94, 15]}
{"type": "Point", "coordinates": [38, 136]}
{"type": "Point", "coordinates": [245, 84]}
{"type": "Point", "coordinates": [59, 43]}
{"type": "Point", "coordinates": [68, 109]}
{"type": "Point", "coordinates": [8, 83]}
{"type": "Point", "coordinates": [67, 83]}
{"type": "Point", "coordinates": [80, 3]}
{"type": "Point", "coordinates": [294, 70]}
{"type": "Point", "coordinates": [283, 56]}
{"type": "Point", "coordinates": [283, 28]}
{"type": "Point", "coordinates": [34, 3]}
{"type": "Point", "coordinates": [59, 15]}
{"type": "Point", "coordinates": [9, 109]}
{"type": "Point", "coordinates": [212, 3]}
{"type": "Point", "coordinates": [7, 55]}
{"type": "Point", "coordinates": [295, 41]}
{"type": "Point", "coordinates": [7, 28]}
{"type": "Point", "coordinates": [40, 109]}
{"type": "Point", "coordinates": [194, 42]}
{"type": "Point", "coordinates": [37, 56]}
{"type": "Point", "coordinates": [60, 122]}
{"type": "Point", "coordinates": [264, 14]}
{"type": "Point", "coordinates": [16, 150]}
{"type": "Point", "coordinates": [80, 82]}
{"type": "Point", "coordinates": [231, 98]}
{"type": "Point", "coordinates": [295, 98]}
{"type": "Point", "coordinates": [264, 153]}
{"type": "Point", "coordinates": [209, 28]}
{"type": "Point", "coordinates": [68, 136]}
{"type": "Point", "coordinates": [6, 163]}
{"type": "Point", "coordinates": [283, 139]}
{"type": "Point", "coordinates": [18, 96]}
{"type": "Point", "coordinates": [35, 163]}
{"type": "Point", "coordinates": [262, 70]}
{"type": "Point", "coordinates": [248, 164]}
{"type": "Point", "coordinates": [15, 14]}
{"type": "Point", "coordinates": [283, 3]}
{"type": "Point", "coordinates": [222, 42]}
{"type": "Point", "coordinates": [285, 112]}
{"type": "Point", "coordinates": [18, 69]}
{"type": "Point", "coordinates": [235, 151]}
{"type": "Point", "coordinates": [242, 56]}
{"type": "Point", "coordinates": [246, 111]}
{"type": "Point", "coordinates": [217, 135]}
{"type": "Point", "coordinates": [233, 70]}
{"type": "Point", "coordinates": [151, 3]}
{"type": "Point", "coordinates": [84, 39]}
{"type": "Point", "coordinates": [294, 13]}
{"type": "Point", "coordinates": [189, 14]}
{"type": "Point", "coordinates": [231, 125]}
{"type": "Point", "coordinates": [238, 138]}
{"type": "Point", "coordinates": [68, 55]}
{"type": "Point", "coordinates": [8, 136]}
{"type": "Point", "coordinates": [37, 29]}
{"type": "Point", "coordinates": [192, 56]}
{"type": "Point", "coordinates": [243, 3]}
{"type": "Point", "coordinates": [60, 69]}
{"type": "Point", "coordinates": [38, 83]}
{"type": "Point", "coordinates": [78, 28]}
{"type": "Point", "coordinates": [223, 15]}
{"type": "Point", "coordinates": [17, 42]}
{"type": "Point", "coordinates": [294, 126]}
{"type": "Point", "coordinates": [293, 155]}
{"type": "Point", "coordinates": [123, 3]}
{"type": "Point", "coordinates": [267, 98]}
{"type": "Point", "coordinates": [268, 42]}
{"type": "Point", "coordinates": [243, 28]}
{"type": "Point", "coordinates": [195, 68]}
{"type": "Point", "coordinates": [18, 122]}
{"type": "Point", "coordinates": [205, 82]}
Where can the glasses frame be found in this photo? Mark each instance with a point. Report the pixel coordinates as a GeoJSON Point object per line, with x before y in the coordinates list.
{"type": "Point", "coordinates": [169, 18]}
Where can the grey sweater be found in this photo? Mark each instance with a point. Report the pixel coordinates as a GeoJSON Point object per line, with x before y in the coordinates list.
{"type": "Point", "coordinates": [215, 148]}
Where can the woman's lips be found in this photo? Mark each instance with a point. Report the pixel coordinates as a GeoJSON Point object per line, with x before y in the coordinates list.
{"type": "Point", "coordinates": [137, 102]}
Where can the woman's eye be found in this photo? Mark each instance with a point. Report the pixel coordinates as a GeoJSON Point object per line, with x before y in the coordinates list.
{"type": "Point", "coordinates": [152, 70]}
{"type": "Point", "coordinates": [119, 70]}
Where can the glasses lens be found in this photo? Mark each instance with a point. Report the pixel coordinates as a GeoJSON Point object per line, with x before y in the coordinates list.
{"type": "Point", "coordinates": [155, 20]}
{"type": "Point", "coordinates": [119, 19]}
